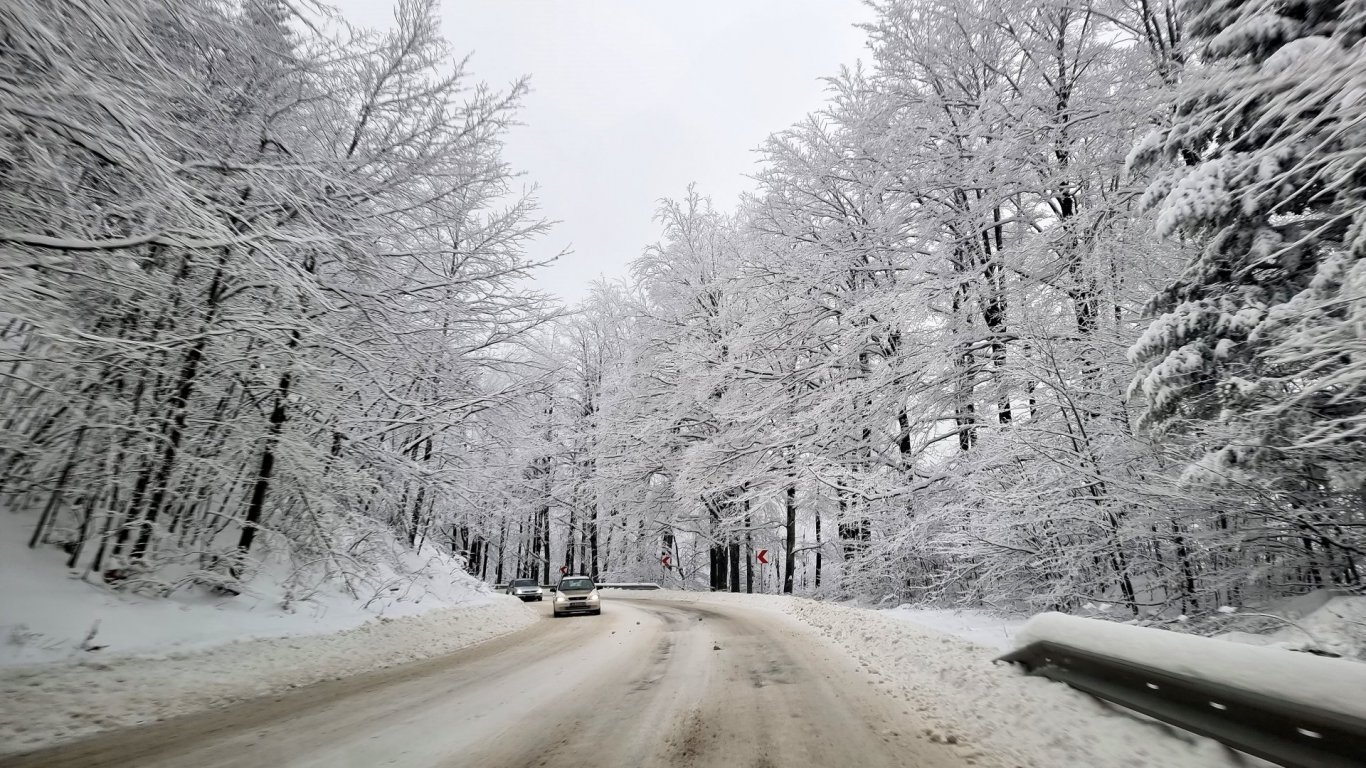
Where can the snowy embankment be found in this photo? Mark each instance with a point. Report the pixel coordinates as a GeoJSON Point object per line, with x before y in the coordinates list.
{"type": "Point", "coordinates": [77, 658]}
{"type": "Point", "coordinates": [1324, 622]}
{"type": "Point", "coordinates": [50, 614]}
{"type": "Point", "coordinates": [981, 627]}
{"type": "Point", "coordinates": [56, 702]}
{"type": "Point", "coordinates": [1338, 685]}
{"type": "Point", "coordinates": [993, 712]}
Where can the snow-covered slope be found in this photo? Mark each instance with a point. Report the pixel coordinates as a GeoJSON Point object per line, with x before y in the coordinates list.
{"type": "Point", "coordinates": [48, 613]}
{"type": "Point", "coordinates": [1320, 621]}
{"type": "Point", "coordinates": [56, 702]}
{"type": "Point", "coordinates": [77, 657]}
{"type": "Point", "coordinates": [981, 627]}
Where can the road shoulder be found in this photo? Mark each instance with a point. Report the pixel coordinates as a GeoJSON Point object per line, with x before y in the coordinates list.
{"type": "Point", "coordinates": [56, 703]}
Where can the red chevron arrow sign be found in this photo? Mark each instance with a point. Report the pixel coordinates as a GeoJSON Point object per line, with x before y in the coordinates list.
{"type": "Point", "coordinates": [761, 557]}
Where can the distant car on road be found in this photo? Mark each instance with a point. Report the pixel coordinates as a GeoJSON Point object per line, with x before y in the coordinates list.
{"type": "Point", "coordinates": [576, 594]}
{"type": "Point", "coordinates": [527, 589]}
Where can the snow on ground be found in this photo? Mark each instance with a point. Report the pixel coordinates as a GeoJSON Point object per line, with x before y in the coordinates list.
{"type": "Point", "coordinates": [1320, 621]}
{"type": "Point", "coordinates": [77, 657]}
{"type": "Point", "coordinates": [1314, 681]}
{"type": "Point", "coordinates": [55, 702]}
{"type": "Point", "coordinates": [48, 613]}
{"type": "Point", "coordinates": [994, 711]}
{"type": "Point", "coordinates": [980, 627]}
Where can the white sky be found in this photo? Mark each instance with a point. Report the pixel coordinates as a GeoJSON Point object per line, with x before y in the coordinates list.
{"type": "Point", "coordinates": [634, 99]}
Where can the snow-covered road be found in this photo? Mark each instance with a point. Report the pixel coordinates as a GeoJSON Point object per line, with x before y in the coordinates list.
{"type": "Point", "coordinates": [654, 681]}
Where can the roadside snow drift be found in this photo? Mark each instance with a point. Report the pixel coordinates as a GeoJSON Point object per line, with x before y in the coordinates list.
{"type": "Point", "coordinates": [1314, 681]}
{"type": "Point", "coordinates": [50, 614]}
{"type": "Point", "coordinates": [975, 626]}
{"type": "Point", "coordinates": [994, 713]}
{"type": "Point", "coordinates": [46, 704]}
{"type": "Point", "coordinates": [1322, 621]}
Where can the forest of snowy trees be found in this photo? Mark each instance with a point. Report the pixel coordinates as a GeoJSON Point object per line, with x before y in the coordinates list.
{"type": "Point", "coordinates": [1052, 303]}
{"type": "Point", "coordinates": [258, 281]}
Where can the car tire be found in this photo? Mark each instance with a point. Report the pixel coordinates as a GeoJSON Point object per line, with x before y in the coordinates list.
{"type": "Point", "coordinates": [598, 612]}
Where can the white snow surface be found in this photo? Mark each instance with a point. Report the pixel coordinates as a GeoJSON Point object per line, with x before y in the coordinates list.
{"type": "Point", "coordinates": [1315, 681]}
{"type": "Point", "coordinates": [1332, 623]}
{"type": "Point", "coordinates": [1001, 717]}
{"type": "Point", "coordinates": [981, 627]}
{"type": "Point", "coordinates": [50, 703]}
{"type": "Point", "coordinates": [47, 612]}
{"type": "Point", "coordinates": [152, 658]}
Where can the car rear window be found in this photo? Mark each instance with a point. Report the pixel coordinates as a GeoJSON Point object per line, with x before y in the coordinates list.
{"type": "Point", "coordinates": [576, 584]}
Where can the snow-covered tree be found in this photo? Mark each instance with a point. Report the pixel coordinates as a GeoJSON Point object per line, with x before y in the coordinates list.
{"type": "Point", "coordinates": [1256, 344]}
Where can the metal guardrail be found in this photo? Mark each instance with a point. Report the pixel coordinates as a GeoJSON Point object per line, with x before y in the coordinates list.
{"type": "Point", "coordinates": [633, 585]}
{"type": "Point", "coordinates": [1286, 733]}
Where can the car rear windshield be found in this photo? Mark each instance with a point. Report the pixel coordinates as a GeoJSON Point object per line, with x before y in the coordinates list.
{"type": "Point", "coordinates": [576, 584]}
{"type": "Point", "coordinates": [524, 583]}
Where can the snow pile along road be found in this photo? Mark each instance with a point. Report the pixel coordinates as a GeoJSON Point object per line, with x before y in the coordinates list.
{"type": "Point", "coordinates": [47, 704]}
{"type": "Point", "coordinates": [1025, 720]}
{"type": "Point", "coordinates": [1322, 621]}
{"type": "Point", "coordinates": [980, 627]}
{"type": "Point", "coordinates": [51, 614]}
{"type": "Point", "coordinates": [1338, 685]}
{"type": "Point", "coordinates": [994, 712]}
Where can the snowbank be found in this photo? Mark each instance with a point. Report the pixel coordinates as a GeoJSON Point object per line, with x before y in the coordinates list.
{"type": "Point", "coordinates": [994, 712]}
{"type": "Point", "coordinates": [49, 614]}
{"type": "Point", "coordinates": [1319, 621]}
{"type": "Point", "coordinates": [46, 704]}
{"type": "Point", "coordinates": [78, 657]}
{"type": "Point", "coordinates": [1314, 681]}
{"type": "Point", "coordinates": [981, 627]}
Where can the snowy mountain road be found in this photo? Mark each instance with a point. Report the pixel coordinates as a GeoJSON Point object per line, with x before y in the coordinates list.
{"type": "Point", "coordinates": [651, 682]}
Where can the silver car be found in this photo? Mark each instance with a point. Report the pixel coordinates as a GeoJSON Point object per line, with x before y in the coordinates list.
{"type": "Point", "coordinates": [577, 594]}
{"type": "Point", "coordinates": [526, 589]}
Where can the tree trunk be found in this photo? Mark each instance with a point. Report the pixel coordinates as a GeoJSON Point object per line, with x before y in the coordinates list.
{"type": "Point", "coordinates": [790, 556]}
{"type": "Point", "coordinates": [749, 559]}
{"type": "Point", "coordinates": [734, 551]}
{"type": "Point", "coordinates": [54, 501]}
{"type": "Point", "coordinates": [593, 545]}
{"type": "Point", "coordinates": [569, 539]}
{"type": "Point", "coordinates": [818, 549]}
{"type": "Point", "coordinates": [266, 468]}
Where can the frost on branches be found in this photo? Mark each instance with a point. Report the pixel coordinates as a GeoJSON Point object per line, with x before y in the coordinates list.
{"type": "Point", "coordinates": [1256, 349]}
{"type": "Point", "coordinates": [899, 365]}
{"type": "Point", "coordinates": [261, 294]}
{"type": "Point", "coordinates": [256, 279]}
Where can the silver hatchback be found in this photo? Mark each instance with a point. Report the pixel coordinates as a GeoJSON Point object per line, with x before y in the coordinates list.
{"type": "Point", "coordinates": [576, 594]}
{"type": "Point", "coordinates": [526, 589]}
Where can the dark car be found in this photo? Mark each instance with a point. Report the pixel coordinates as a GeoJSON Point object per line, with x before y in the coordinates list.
{"type": "Point", "coordinates": [526, 589]}
{"type": "Point", "coordinates": [577, 594]}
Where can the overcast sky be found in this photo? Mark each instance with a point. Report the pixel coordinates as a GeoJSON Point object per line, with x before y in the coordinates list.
{"type": "Point", "coordinates": [633, 99]}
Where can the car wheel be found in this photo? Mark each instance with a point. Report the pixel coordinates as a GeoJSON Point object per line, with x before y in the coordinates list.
{"type": "Point", "coordinates": [598, 612]}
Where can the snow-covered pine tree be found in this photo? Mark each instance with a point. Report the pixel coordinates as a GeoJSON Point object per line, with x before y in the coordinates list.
{"type": "Point", "coordinates": [1259, 338]}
